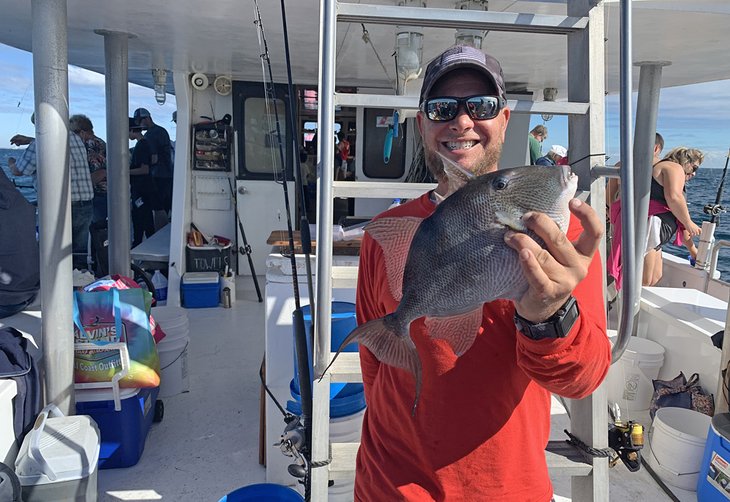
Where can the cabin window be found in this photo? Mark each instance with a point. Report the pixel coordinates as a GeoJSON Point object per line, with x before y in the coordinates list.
{"type": "Point", "coordinates": [378, 122]}
{"type": "Point", "coordinates": [255, 120]}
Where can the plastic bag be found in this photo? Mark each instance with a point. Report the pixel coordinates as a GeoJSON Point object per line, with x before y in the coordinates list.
{"type": "Point", "coordinates": [681, 393]}
{"type": "Point", "coordinates": [115, 316]}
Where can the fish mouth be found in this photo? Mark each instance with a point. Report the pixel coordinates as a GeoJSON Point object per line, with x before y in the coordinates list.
{"type": "Point", "coordinates": [460, 145]}
{"type": "Point", "coordinates": [511, 221]}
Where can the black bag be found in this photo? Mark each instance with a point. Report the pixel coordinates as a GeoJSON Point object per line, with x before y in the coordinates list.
{"type": "Point", "coordinates": [19, 255]}
{"type": "Point", "coordinates": [681, 393]}
{"type": "Point", "coordinates": [100, 247]}
{"type": "Point", "coordinates": [17, 364]}
{"type": "Point", "coordinates": [10, 489]}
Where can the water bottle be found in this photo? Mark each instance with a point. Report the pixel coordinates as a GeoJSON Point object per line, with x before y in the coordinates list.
{"type": "Point", "coordinates": [159, 281]}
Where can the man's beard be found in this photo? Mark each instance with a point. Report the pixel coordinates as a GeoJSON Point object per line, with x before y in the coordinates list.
{"type": "Point", "coordinates": [487, 163]}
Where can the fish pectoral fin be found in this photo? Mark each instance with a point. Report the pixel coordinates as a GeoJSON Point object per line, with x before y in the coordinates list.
{"type": "Point", "coordinates": [509, 220]}
{"type": "Point", "coordinates": [459, 331]}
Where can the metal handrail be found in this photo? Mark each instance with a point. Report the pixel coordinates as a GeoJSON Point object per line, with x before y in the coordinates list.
{"type": "Point", "coordinates": [713, 261]}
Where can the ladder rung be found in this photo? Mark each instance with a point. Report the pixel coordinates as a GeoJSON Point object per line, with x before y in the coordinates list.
{"type": "Point", "coordinates": [456, 18]}
{"type": "Point", "coordinates": [346, 368]}
{"type": "Point", "coordinates": [411, 103]}
{"type": "Point", "coordinates": [562, 460]}
{"type": "Point", "coordinates": [380, 190]}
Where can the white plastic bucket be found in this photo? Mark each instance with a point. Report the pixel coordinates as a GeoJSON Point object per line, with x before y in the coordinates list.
{"type": "Point", "coordinates": [677, 439]}
{"type": "Point", "coordinates": [345, 429]}
{"type": "Point", "coordinates": [173, 352]}
{"type": "Point", "coordinates": [629, 380]}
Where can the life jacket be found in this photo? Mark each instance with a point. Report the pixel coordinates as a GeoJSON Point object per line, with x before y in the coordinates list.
{"type": "Point", "coordinates": [19, 255]}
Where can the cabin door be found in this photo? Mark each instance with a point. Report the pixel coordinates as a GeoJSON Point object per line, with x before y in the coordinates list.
{"type": "Point", "coordinates": [259, 173]}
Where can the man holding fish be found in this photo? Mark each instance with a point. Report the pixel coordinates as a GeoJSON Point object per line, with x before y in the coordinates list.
{"type": "Point", "coordinates": [474, 305]}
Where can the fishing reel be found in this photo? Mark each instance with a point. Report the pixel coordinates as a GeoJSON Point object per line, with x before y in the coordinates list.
{"type": "Point", "coordinates": [627, 440]}
{"type": "Point", "coordinates": [713, 209]}
{"type": "Point", "coordinates": [292, 443]}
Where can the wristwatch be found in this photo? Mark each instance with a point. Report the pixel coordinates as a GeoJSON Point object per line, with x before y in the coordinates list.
{"type": "Point", "coordinates": [556, 326]}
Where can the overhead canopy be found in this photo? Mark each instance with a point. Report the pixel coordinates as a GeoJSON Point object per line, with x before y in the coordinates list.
{"type": "Point", "coordinates": [220, 38]}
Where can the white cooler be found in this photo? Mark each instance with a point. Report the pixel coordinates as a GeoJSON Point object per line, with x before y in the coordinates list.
{"type": "Point", "coordinates": [58, 458]}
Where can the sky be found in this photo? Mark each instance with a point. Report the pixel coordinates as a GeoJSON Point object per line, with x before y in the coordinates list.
{"type": "Point", "coordinates": [694, 116]}
{"type": "Point", "coordinates": [86, 96]}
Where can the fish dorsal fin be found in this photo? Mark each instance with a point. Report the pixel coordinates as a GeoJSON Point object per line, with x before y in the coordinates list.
{"type": "Point", "coordinates": [394, 235]}
{"type": "Point", "coordinates": [459, 331]}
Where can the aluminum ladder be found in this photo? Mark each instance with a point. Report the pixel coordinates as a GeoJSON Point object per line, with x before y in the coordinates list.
{"type": "Point", "coordinates": [584, 28]}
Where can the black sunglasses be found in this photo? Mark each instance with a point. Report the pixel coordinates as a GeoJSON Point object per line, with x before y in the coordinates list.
{"type": "Point", "coordinates": [445, 108]}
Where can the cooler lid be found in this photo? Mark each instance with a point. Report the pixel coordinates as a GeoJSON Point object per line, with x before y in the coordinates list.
{"type": "Point", "coordinates": [200, 277]}
{"type": "Point", "coordinates": [68, 446]}
{"type": "Point", "coordinates": [721, 423]}
{"type": "Point", "coordinates": [103, 394]}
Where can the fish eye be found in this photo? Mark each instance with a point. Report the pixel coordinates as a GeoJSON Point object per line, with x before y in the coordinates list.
{"type": "Point", "coordinates": [500, 183]}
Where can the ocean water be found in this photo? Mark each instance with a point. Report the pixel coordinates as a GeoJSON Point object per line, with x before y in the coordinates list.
{"type": "Point", "coordinates": [701, 190]}
{"type": "Point", "coordinates": [24, 183]}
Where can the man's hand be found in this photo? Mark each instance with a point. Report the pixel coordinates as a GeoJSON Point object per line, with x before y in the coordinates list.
{"type": "Point", "coordinates": [553, 273]}
{"type": "Point", "coordinates": [13, 168]}
{"type": "Point", "coordinates": [21, 140]}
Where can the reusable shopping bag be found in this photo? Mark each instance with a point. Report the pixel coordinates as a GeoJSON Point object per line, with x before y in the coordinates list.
{"type": "Point", "coordinates": [108, 317]}
{"type": "Point", "coordinates": [681, 393]}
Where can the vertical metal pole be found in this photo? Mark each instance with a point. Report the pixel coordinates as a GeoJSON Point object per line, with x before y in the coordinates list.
{"type": "Point", "coordinates": [325, 154]}
{"type": "Point", "coordinates": [647, 109]}
{"type": "Point", "coordinates": [50, 77]}
{"type": "Point", "coordinates": [117, 149]}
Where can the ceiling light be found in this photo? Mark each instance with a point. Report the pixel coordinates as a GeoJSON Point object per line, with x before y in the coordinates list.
{"type": "Point", "coordinates": [473, 38]}
{"type": "Point", "coordinates": [160, 78]}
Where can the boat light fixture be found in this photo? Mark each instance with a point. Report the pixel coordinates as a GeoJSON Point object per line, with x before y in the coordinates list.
{"type": "Point", "coordinates": [408, 49]}
{"type": "Point", "coordinates": [549, 94]}
{"type": "Point", "coordinates": [474, 38]}
{"type": "Point", "coordinates": [160, 78]}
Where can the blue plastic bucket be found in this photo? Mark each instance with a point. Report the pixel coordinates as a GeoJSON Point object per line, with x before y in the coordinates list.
{"type": "Point", "coordinates": [342, 323]}
{"type": "Point", "coordinates": [341, 405]}
{"type": "Point", "coordinates": [263, 492]}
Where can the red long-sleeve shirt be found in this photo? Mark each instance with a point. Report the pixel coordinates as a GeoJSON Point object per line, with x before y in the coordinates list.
{"type": "Point", "coordinates": [483, 419]}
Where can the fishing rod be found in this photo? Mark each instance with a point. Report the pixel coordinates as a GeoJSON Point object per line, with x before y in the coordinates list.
{"type": "Point", "coordinates": [301, 449]}
{"type": "Point", "coordinates": [708, 227]}
{"type": "Point", "coordinates": [715, 209]}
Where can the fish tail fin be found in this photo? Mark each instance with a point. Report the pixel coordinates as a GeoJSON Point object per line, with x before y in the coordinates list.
{"type": "Point", "coordinates": [389, 346]}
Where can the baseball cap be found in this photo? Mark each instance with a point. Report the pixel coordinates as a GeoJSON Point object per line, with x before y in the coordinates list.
{"type": "Point", "coordinates": [133, 124]}
{"type": "Point", "coordinates": [559, 150]}
{"type": "Point", "coordinates": [141, 113]}
{"type": "Point", "coordinates": [462, 56]}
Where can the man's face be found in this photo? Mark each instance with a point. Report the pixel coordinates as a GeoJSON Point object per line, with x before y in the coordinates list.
{"type": "Point", "coordinates": [476, 145]}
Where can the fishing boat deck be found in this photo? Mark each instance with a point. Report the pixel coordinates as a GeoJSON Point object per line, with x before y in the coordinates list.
{"type": "Point", "coordinates": [208, 442]}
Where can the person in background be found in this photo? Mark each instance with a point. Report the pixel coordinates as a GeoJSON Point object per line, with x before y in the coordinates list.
{"type": "Point", "coordinates": [483, 420]}
{"type": "Point", "coordinates": [96, 153]}
{"type": "Point", "coordinates": [343, 151]}
{"type": "Point", "coordinates": [161, 168]}
{"type": "Point", "coordinates": [668, 214]}
{"type": "Point", "coordinates": [555, 156]}
{"type": "Point", "coordinates": [142, 185]}
{"type": "Point", "coordinates": [613, 186]}
{"type": "Point", "coordinates": [82, 189]}
{"type": "Point", "coordinates": [538, 134]}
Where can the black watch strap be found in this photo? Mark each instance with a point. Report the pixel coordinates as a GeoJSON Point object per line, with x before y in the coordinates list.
{"type": "Point", "coordinates": [556, 326]}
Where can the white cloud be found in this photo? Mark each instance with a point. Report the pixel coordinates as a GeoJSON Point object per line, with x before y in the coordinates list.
{"type": "Point", "coordinates": [84, 78]}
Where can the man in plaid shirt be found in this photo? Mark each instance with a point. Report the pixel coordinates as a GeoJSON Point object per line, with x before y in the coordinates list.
{"type": "Point", "coordinates": [82, 190]}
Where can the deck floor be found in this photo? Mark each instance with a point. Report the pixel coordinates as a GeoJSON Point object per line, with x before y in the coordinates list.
{"type": "Point", "coordinates": [207, 445]}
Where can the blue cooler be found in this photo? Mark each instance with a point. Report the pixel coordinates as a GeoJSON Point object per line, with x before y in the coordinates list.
{"type": "Point", "coordinates": [343, 321]}
{"type": "Point", "coordinates": [713, 483]}
{"type": "Point", "coordinates": [123, 432]}
{"type": "Point", "coordinates": [200, 289]}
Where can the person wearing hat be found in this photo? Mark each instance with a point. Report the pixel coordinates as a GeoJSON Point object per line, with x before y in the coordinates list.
{"type": "Point", "coordinates": [483, 419]}
{"type": "Point", "coordinates": [537, 135]}
{"type": "Point", "coordinates": [142, 185]}
{"type": "Point", "coordinates": [82, 188]}
{"type": "Point", "coordinates": [161, 168]}
{"type": "Point", "coordinates": [555, 156]}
